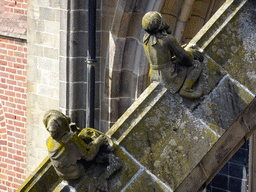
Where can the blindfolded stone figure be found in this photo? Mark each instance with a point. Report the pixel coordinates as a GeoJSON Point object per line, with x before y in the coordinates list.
{"type": "Point", "coordinates": [68, 151]}
{"type": "Point", "coordinates": [177, 69]}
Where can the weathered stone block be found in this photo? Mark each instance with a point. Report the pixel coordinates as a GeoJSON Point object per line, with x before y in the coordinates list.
{"type": "Point", "coordinates": [223, 105]}
{"type": "Point", "coordinates": [49, 14]}
{"type": "Point", "coordinates": [120, 17]}
{"type": "Point", "coordinates": [147, 183]}
{"type": "Point", "coordinates": [78, 44]}
{"type": "Point", "coordinates": [51, 53]}
{"type": "Point", "coordinates": [52, 26]}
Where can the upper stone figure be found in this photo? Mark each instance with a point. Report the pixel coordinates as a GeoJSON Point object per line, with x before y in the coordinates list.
{"type": "Point", "coordinates": [69, 152]}
{"type": "Point", "coordinates": [176, 68]}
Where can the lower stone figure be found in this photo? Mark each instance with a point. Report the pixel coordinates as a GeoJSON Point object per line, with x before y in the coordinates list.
{"type": "Point", "coordinates": [69, 152]}
{"type": "Point", "coordinates": [176, 68]}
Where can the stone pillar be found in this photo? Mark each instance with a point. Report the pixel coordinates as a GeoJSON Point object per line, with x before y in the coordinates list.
{"type": "Point", "coordinates": [73, 53]}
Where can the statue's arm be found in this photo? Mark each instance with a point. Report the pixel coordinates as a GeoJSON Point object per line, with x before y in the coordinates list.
{"type": "Point", "coordinates": [88, 151]}
{"type": "Point", "coordinates": [94, 147]}
{"type": "Point", "coordinates": [184, 57]}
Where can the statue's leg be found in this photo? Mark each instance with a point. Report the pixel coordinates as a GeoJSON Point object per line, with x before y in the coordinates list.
{"type": "Point", "coordinates": [192, 77]}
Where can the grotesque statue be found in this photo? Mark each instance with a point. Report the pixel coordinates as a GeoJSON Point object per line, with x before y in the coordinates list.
{"type": "Point", "coordinates": [176, 68]}
{"type": "Point", "coordinates": [69, 151]}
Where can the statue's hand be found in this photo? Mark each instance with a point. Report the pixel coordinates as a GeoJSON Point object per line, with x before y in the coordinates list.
{"type": "Point", "coordinates": [195, 52]}
{"type": "Point", "coordinates": [100, 139]}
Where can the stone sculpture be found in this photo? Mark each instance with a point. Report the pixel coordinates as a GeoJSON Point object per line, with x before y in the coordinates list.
{"type": "Point", "coordinates": [69, 151]}
{"type": "Point", "coordinates": [176, 68]}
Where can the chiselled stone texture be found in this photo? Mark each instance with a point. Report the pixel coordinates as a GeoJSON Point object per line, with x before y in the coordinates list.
{"type": "Point", "coordinates": [126, 64]}
{"type": "Point", "coordinates": [159, 140]}
{"type": "Point", "coordinates": [238, 57]}
{"type": "Point", "coordinates": [166, 137]}
{"type": "Point", "coordinates": [43, 74]}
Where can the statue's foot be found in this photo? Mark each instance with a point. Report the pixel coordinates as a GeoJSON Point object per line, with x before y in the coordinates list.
{"type": "Point", "coordinates": [102, 184]}
{"type": "Point", "coordinates": [190, 93]}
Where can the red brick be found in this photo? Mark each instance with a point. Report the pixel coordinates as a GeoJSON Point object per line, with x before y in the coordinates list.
{"type": "Point", "coordinates": [19, 54]}
{"type": "Point", "coordinates": [3, 62]}
{"type": "Point", "coordinates": [19, 135]}
{"type": "Point", "coordinates": [17, 169]}
{"type": "Point", "coordinates": [11, 87]}
{"type": "Point", "coordinates": [10, 99]}
{"type": "Point", "coordinates": [3, 51]}
{"type": "Point", "coordinates": [9, 110]}
{"type": "Point", "coordinates": [18, 118]}
{"type": "Point", "coordinates": [18, 175]}
{"type": "Point", "coordinates": [2, 187]}
{"type": "Point", "coordinates": [11, 76]}
{"type": "Point", "coordinates": [16, 186]}
{"type": "Point", "coordinates": [17, 158]}
{"type": "Point", "coordinates": [12, 82]}
{"type": "Point", "coordinates": [13, 47]}
{"type": "Point", "coordinates": [24, 6]}
{"type": "Point", "coordinates": [8, 172]}
{"type": "Point", "coordinates": [20, 11]}
{"type": "Point", "coordinates": [20, 124]}
{"type": "Point", "coordinates": [11, 116]}
{"type": "Point", "coordinates": [10, 64]}
{"type": "Point", "coordinates": [2, 125]}
{"type": "Point", "coordinates": [9, 104]}
{"type": "Point", "coordinates": [10, 3]}
{"type": "Point", "coordinates": [3, 165]}
{"type": "Point", "coordinates": [10, 179]}
{"type": "Point", "coordinates": [3, 97]}
{"type": "Point", "coordinates": [8, 184]}
{"type": "Point", "coordinates": [20, 101]}
{"type": "Point", "coordinates": [20, 49]}
{"type": "Point", "coordinates": [2, 130]}
{"type": "Point", "coordinates": [2, 45]}
{"type": "Point", "coordinates": [18, 60]}
{"type": "Point", "coordinates": [24, 96]}
{"type": "Point", "coordinates": [3, 154]}
{"type": "Point", "coordinates": [4, 136]}
{"type": "Point", "coordinates": [3, 74]}
{"type": "Point", "coordinates": [9, 58]}
{"type": "Point", "coordinates": [9, 93]}
{"type": "Point", "coordinates": [19, 72]}
{"type": "Point", "coordinates": [10, 150]}
{"type": "Point", "coordinates": [18, 95]}
{"type": "Point", "coordinates": [2, 176]}
{"type": "Point", "coordinates": [20, 78]}
{"type": "Point", "coordinates": [10, 70]}
{"type": "Point", "coordinates": [18, 5]}
{"type": "Point", "coordinates": [19, 66]}
{"type": "Point", "coordinates": [10, 53]}
{"type": "Point", "coordinates": [3, 142]}
{"type": "Point", "coordinates": [2, 68]}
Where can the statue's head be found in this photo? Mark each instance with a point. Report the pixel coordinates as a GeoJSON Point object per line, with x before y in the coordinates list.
{"type": "Point", "coordinates": [154, 22]}
{"type": "Point", "coordinates": [56, 123]}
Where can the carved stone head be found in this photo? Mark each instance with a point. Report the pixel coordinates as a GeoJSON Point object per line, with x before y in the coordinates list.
{"type": "Point", "coordinates": [56, 123]}
{"type": "Point", "coordinates": [154, 22]}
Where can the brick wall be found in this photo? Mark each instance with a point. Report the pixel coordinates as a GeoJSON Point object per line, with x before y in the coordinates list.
{"type": "Point", "coordinates": [13, 87]}
{"type": "Point", "coordinates": [13, 18]}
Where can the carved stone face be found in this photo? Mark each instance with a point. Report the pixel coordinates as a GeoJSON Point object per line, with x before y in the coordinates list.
{"type": "Point", "coordinates": [56, 128]}
{"type": "Point", "coordinates": [53, 127]}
